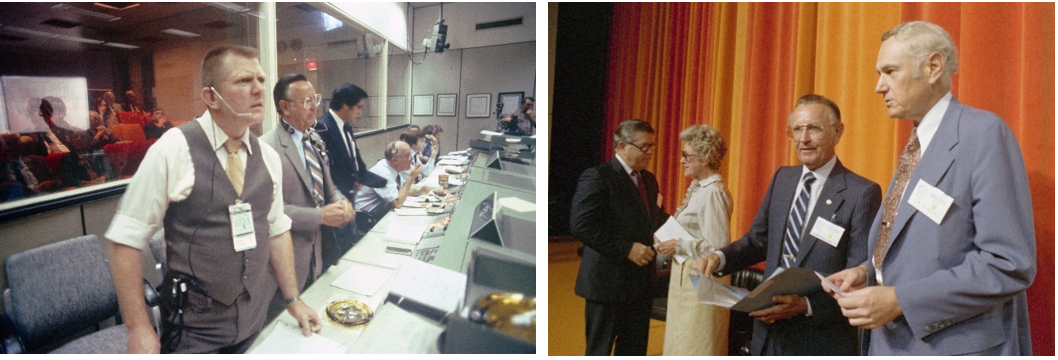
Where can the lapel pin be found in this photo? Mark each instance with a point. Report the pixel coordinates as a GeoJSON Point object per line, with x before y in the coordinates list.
{"type": "Point", "coordinates": [828, 201]}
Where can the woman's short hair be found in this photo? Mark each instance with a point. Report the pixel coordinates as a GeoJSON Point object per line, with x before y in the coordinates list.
{"type": "Point", "coordinates": [707, 143]}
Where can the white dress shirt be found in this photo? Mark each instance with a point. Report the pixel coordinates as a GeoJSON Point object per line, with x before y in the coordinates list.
{"type": "Point", "coordinates": [167, 174]}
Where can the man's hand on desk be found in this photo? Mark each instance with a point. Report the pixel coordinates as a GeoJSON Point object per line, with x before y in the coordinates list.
{"type": "Point", "coordinates": [306, 317]}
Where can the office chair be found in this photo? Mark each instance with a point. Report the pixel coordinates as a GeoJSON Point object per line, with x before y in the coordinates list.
{"type": "Point", "coordinates": [59, 291]}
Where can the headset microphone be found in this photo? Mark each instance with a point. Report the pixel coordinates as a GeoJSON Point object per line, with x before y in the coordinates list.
{"type": "Point", "coordinates": [229, 106]}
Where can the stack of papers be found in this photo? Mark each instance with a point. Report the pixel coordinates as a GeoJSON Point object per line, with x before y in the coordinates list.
{"type": "Point", "coordinates": [407, 233]}
{"type": "Point", "coordinates": [430, 285]}
{"type": "Point", "coordinates": [362, 279]}
{"type": "Point", "coordinates": [288, 339]}
{"type": "Point", "coordinates": [396, 331]}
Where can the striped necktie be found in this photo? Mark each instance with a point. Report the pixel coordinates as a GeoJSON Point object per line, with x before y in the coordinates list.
{"type": "Point", "coordinates": [792, 239]}
{"type": "Point", "coordinates": [315, 171]}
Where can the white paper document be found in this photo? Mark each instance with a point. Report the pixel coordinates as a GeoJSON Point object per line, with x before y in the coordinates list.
{"type": "Point", "coordinates": [673, 230]}
{"type": "Point", "coordinates": [430, 285]}
{"type": "Point", "coordinates": [396, 331]}
{"type": "Point", "coordinates": [287, 339]}
{"type": "Point", "coordinates": [406, 232]}
{"type": "Point", "coordinates": [410, 211]}
{"type": "Point", "coordinates": [714, 293]}
{"type": "Point", "coordinates": [362, 279]}
{"type": "Point", "coordinates": [454, 162]}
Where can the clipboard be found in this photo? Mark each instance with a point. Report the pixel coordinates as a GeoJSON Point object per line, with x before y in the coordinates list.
{"type": "Point", "coordinates": [799, 281]}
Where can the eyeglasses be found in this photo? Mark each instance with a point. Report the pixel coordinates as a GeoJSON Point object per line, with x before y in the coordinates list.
{"type": "Point", "coordinates": [686, 156]}
{"type": "Point", "coordinates": [647, 148]}
{"type": "Point", "coordinates": [798, 132]}
{"type": "Point", "coordinates": [311, 100]}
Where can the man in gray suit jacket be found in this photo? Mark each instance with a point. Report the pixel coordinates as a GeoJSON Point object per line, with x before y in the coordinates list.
{"type": "Point", "coordinates": [310, 198]}
{"type": "Point", "coordinates": [804, 208]}
{"type": "Point", "coordinates": [954, 246]}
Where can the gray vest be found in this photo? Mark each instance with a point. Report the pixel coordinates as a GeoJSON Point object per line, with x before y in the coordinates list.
{"type": "Point", "coordinates": [223, 273]}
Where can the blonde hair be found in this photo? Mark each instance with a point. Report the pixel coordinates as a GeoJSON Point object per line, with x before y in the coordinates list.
{"type": "Point", "coordinates": [707, 143]}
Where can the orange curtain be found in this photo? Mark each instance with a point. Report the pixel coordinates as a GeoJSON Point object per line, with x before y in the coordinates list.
{"type": "Point", "coordinates": [739, 67]}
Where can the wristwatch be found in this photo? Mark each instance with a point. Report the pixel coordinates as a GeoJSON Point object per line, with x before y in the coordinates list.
{"type": "Point", "coordinates": [293, 300]}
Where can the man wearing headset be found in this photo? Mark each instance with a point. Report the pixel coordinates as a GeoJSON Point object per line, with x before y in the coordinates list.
{"type": "Point", "coordinates": [218, 193]}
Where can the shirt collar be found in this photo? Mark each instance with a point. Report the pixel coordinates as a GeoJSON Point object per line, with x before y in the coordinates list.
{"type": "Point", "coordinates": [296, 135]}
{"type": "Point", "coordinates": [822, 172]}
{"type": "Point", "coordinates": [628, 170]}
{"type": "Point", "coordinates": [206, 121]}
{"type": "Point", "coordinates": [931, 122]}
{"type": "Point", "coordinates": [709, 180]}
{"type": "Point", "coordinates": [337, 119]}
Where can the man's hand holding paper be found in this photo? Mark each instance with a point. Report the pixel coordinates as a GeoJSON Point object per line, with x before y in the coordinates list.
{"type": "Point", "coordinates": [785, 307]}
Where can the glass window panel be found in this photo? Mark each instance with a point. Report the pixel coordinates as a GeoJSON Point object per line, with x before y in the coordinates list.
{"type": "Point", "coordinates": [399, 69]}
{"type": "Point", "coordinates": [330, 56]}
{"type": "Point", "coordinates": [61, 134]}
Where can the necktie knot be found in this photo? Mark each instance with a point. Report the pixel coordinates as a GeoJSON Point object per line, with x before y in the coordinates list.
{"type": "Point", "coordinates": [232, 145]}
{"type": "Point", "coordinates": [809, 179]}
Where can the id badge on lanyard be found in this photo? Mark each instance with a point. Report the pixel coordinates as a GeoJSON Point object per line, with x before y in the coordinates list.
{"type": "Point", "coordinates": [242, 231]}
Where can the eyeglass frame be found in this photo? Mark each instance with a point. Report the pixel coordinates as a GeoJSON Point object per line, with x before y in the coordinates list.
{"type": "Point", "coordinates": [305, 103]}
{"type": "Point", "coordinates": [648, 150]}
{"type": "Point", "coordinates": [790, 131]}
{"type": "Point", "coordinates": [685, 156]}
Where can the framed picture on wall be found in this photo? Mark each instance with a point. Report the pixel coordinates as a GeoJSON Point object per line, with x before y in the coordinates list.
{"type": "Point", "coordinates": [395, 106]}
{"type": "Point", "coordinates": [508, 102]}
{"type": "Point", "coordinates": [446, 104]}
{"type": "Point", "coordinates": [478, 105]}
{"type": "Point", "coordinates": [374, 106]}
{"type": "Point", "coordinates": [422, 105]}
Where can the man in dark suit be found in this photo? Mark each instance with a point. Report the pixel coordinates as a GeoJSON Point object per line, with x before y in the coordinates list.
{"type": "Point", "coordinates": [310, 198]}
{"type": "Point", "coordinates": [804, 207]}
{"type": "Point", "coordinates": [335, 127]}
{"type": "Point", "coordinates": [954, 246]}
{"type": "Point", "coordinates": [615, 214]}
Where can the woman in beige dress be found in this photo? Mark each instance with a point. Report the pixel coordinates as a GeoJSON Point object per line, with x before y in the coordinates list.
{"type": "Point", "coordinates": [692, 328]}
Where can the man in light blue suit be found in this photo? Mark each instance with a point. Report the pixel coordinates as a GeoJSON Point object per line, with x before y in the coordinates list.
{"type": "Point", "coordinates": [953, 245]}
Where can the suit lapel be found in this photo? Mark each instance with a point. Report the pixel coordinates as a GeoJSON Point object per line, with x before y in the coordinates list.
{"type": "Point", "coordinates": [829, 200]}
{"type": "Point", "coordinates": [782, 201]}
{"type": "Point", "coordinates": [291, 151]}
{"type": "Point", "coordinates": [931, 167]}
{"type": "Point", "coordinates": [332, 130]}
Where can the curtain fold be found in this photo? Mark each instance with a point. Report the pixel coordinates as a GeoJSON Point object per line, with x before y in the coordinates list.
{"type": "Point", "coordinates": [739, 67]}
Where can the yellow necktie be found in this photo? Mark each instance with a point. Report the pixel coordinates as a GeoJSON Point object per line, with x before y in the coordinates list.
{"type": "Point", "coordinates": [235, 170]}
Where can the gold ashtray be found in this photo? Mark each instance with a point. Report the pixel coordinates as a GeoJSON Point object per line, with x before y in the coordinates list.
{"type": "Point", "coordinates": [511, 313]}
{"type": "Point", "coordinates": [349, 312]}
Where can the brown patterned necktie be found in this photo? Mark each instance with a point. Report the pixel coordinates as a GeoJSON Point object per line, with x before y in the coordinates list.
{"type": "Point", "coordinates": [908, 161]}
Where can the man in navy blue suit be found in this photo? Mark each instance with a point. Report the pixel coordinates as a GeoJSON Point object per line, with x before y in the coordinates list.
{"type": "Point", "coordinates": [348, 170]}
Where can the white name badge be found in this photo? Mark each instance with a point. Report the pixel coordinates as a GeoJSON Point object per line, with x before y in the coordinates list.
{"type": "Point", "coordinates": [827, 231]}
{"type": "Point", "coordinates": [242, 232]}
{"type": "Point", "coordinates": [931, 201]}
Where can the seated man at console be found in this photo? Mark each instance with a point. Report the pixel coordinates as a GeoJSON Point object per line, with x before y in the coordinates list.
{"type": "Point", "coordinates": [371, 203]}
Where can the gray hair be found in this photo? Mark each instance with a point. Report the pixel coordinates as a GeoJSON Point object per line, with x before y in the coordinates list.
{"type": "Point", "coordinates": [835, 112]}
{"type": "Point", "coordinates": [707, 143]}
{"type": "Point", "coordinates": [627, 129]}
{"type": "Point", "coordinates": [923, 38]}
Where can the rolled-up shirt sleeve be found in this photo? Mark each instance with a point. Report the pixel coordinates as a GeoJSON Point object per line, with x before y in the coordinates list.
{"type": "Point", "coordinates": [165, 175]}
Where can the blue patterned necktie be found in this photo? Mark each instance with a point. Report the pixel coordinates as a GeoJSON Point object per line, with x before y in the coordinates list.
{"type": "Point", "coordinates": [794, 224]}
